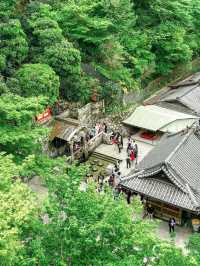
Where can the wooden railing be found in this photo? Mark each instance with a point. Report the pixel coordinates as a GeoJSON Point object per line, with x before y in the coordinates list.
{"type": "Point", "coordinates": [95, 142]}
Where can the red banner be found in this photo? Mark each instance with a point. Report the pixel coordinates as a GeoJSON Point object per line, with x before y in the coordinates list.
{"type": "Point", "coordinates": [44, 116]}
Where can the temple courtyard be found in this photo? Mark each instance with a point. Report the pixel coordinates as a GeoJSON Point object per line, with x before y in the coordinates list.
{"type": "Point", "coordinates": [112, 150]}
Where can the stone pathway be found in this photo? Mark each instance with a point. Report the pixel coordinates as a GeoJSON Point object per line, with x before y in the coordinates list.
{"type": "Point", "coordinates": [181, 237]}
{"type": "Point", "coordinates": [112, 150]}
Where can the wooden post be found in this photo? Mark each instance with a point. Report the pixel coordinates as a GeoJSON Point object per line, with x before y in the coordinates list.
{"type": "Point", "coordinates": [71, 150]}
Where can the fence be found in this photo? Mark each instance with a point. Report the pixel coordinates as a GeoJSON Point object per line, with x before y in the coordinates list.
{"type": "Point", "coordinates": [95, 142]}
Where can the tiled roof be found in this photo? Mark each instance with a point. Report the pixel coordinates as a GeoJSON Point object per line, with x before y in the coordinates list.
{"type": "Point", "coordinates": [161, 151]}
{"type": "Point", "coordinates": [185, 95]}
{"type": "Point", "coordinates": [176, 106]}
{"type": "Point", "coordinates": [154, 118]}
{"type": "Point", "coordinates": [186, 92]}
{"type": "Point", "coordinates": [189, 96]}
{"type": "Point", "coordinates": [178, 157]}
{"type": "Point", "coordinates": [192, 80]}
{"type": "Point", "coordinates": [63, 131]}
{"type": "Point", "coordinates": [160, 190]}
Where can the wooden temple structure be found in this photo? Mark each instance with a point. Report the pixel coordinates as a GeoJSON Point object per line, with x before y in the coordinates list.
{"type": "Point", "coordinates": [169, 176]}
{"type": "Point", "coordinates": [68, 137]}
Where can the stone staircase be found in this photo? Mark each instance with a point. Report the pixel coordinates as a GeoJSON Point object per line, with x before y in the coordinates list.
{"type": "Point", "coordinates": [104, 157]}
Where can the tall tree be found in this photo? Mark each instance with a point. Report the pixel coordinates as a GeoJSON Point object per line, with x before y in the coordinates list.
{"type": "Point", "coordinates": [14, 45]}
{"type": "Point", "coordinates": [36, 80]}
{"type": "Point", "coordinates": [19, 135]}
{"type": "Point", "coordinates": [17, 209]}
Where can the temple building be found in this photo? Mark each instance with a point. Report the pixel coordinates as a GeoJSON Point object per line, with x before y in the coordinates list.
{"type": "Point", "coordinates": [170, 110]}
{"type": "Point", "coordinates": [169, 176]}
{"type": "Point", "coordinates": [157, 119]}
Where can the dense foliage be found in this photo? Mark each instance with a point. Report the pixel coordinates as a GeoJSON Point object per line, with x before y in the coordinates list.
{"type": "Point", "coordinates": [19, 134]}
{"type": "Point", "coordinates": [35, 80]}
{"type": "Point", "coordinates": [73, 227]}
{"type": "Point", "coordinates": [69, 49]}
{"type": "Point", "coordinates": [124, 41]}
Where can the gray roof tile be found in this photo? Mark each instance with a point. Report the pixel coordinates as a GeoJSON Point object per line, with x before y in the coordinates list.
{"type": "Point", "coordinates": [161, 191]}
{"type": "Point", "coordinates": [188, 96]}
{"type": "Point", "coordinates": [178, 156]}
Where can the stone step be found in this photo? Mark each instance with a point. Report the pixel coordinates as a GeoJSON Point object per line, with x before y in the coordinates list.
{"type": "Point", "coordinates": [104, 157]}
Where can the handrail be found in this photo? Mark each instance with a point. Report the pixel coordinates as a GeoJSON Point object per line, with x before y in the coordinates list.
{"type": "Point", "coordinates": [95, 137]}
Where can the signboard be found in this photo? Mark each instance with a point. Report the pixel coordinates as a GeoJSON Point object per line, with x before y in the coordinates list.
{"type": "Point", "coordinates": [44, 116]}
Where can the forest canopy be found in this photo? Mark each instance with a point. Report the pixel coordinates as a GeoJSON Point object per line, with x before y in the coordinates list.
{"type": "Point", "coordinates": [125, 41]}
{"type": "Point", "coordinates": [69, 49]}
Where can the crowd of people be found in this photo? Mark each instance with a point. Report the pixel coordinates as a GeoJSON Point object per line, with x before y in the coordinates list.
{"type": "Point", "coordinates": [98, 128]}
{"type": "Point", "coordinates": [132, 148]}
{"type": "Point", "coordinates": [132, 153]}
{"type": "Point", "coordinates": [113, 181]}
{"type": "Point", "coordinates": [117, 139]}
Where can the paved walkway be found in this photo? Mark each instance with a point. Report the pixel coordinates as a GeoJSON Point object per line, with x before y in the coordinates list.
{"type": "Point", "coordinates": [112, 150]}
{"type": "Point", "coordinates": [182, 233]}
{"type": "Point", "coordinates": [181, 236]}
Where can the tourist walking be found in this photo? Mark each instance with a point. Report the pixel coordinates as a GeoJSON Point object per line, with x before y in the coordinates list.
{"type": "Point", "coordinates": [119, 145]}
{"type": "Point", "coordinates": [133, 143]}
{"type": "Point", "coordinates": [111, 180]}
{"type": "Point", "coordinates": [150, 211]}
{"type": "Point", "coordinates": [112, 135]}
{"type": "Point", "coordinates": [136, 153]}
{"type": "Point", "coordinates": [172, 223]}
{"type": "Point", "coordinates": [121, 140]}
{"type": "Point", "coordinates": [128, 161]}
{"type": "Point", "coordinates": [128, 144]}
{"type": "Point", "coordinates": [105, 128]}
{"type": "Point", "coordinates": [132, 157]}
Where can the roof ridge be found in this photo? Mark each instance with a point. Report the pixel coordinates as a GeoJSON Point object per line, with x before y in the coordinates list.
{"type": "Point", "coordinates": [189, 91]}
{"type": "Point", "coordinates": [131, 176]}
{"type": "Point", "coordinates": [177, 119]}
{"type": "Point", "coordinates": [140, 172]}
{"type": "Point", "coordinates": [167, 160]}
{"type": "Point", "coordinates": [171, 176]}
{"type": "Point", "coordinates": [192, 196]}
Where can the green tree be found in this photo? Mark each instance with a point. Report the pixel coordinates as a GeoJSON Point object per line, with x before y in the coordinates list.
{"type": "Point", "coordinates": [80, 22]}
{"type": "Point", "coordinates": [166, 25]}
{"type": "Point", "coordinates": [63, 58]}
{"type": "Point", "coordinates": [194, 247]}
{"type": "Point", "coordinates": [85, 227]}
{"type": "Point", "coordinates": [46, 32]}
{"type": "Point", "coordinates": [14, 45]}
{"type": "Point", "coordinates": [17, 208]}
{"type": "Point", "coordinates": [75, 217]}
{"type": "Point", "coordinates": [3, 87]}
{"type": "Point", "coordinates": [35, 80]}
{"type": "Point", "coordinates": [19, 135]}
{"type": "Point", "coordinates": [169, 47]}
{"type": "Point", "coordinates": [193, 36]}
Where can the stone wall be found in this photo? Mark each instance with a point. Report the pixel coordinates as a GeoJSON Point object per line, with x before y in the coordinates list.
{"type": "Point", "coordinates": [133, 97]}
{"type": "Point", "coordinates": [90, 113]}
{"type": "Point", "coordinates": [84, 114]}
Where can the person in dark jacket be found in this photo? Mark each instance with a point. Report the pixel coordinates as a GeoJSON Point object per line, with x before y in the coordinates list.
{"type": "Point", "coordinates": [105, 128]}
{"type": "Point", "coordinates": [136, 153]}
{"type": "Point", "coordinates": [172, 223]}
{"type": "Point", "coordinates": [129, 197]}
{"type": "Point", "coordinates": [120, 147]}
{"type": "Point", "coordinates": [128, 161]}
{"type": "Point", "coordinates": [150, 211]}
